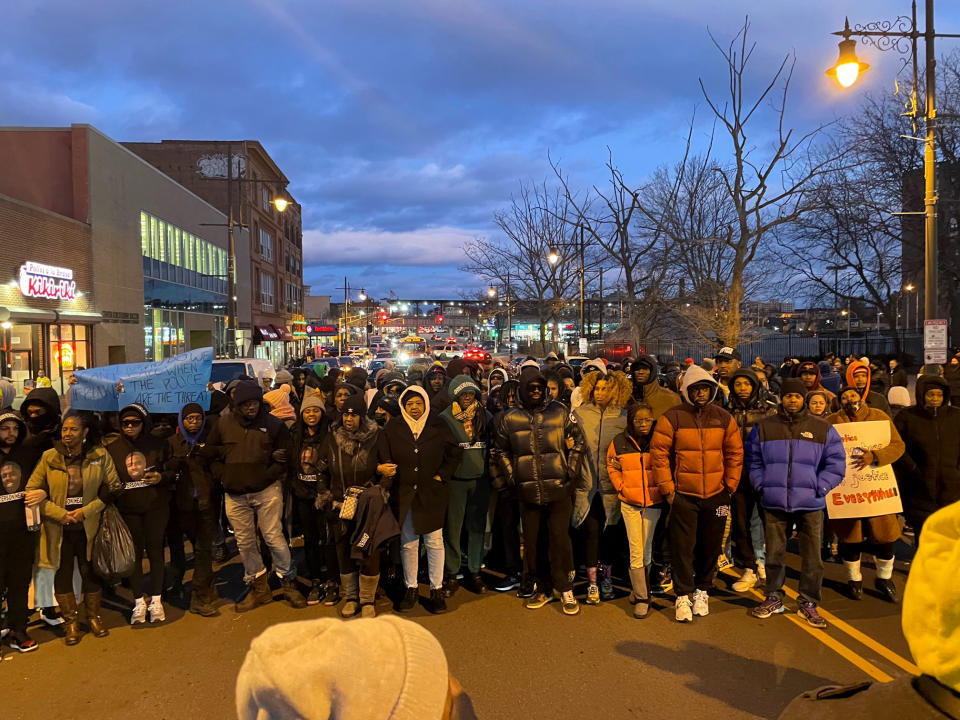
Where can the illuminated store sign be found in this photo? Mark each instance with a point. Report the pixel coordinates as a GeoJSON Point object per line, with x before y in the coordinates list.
{"type": "Point", "coordinates": [47, 281]}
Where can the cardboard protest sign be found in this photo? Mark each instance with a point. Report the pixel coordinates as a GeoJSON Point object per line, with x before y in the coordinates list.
{"type": "Point", "coordinates": [869, 492]}
{"type": "Point", "coordinates": [161, 387]}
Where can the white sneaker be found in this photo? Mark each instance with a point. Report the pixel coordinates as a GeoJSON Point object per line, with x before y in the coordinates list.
{"type": "Point", "coordinates": [761, 571]}
{"type": "Point", "coordinates": [139, 612]}
{"type": "Point", "coordinates": [156, 611]}
{"type": "Point", "coordinates": [701, 602]}
{"type": "Point", "coordinates": [746, 581]}
{"type": "Point", "coordinates": [682, 608]}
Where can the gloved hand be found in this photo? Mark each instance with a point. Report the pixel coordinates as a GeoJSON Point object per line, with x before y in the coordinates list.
{"type": "Point", "coordinates": [280, 456]}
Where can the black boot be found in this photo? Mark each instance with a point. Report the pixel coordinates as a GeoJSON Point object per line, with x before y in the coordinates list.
{"type": "Point", "coordinates": [409, 600]}
{"type": "Point", "coordinates": [437, 603]}
{"type": "Point", "coordinates": [887, 589]}
{"type": "Point", "coordinates": [856, 589]}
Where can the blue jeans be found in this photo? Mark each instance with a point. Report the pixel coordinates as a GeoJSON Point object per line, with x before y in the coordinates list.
{"type": "Point", "coordinates": [263, 509]}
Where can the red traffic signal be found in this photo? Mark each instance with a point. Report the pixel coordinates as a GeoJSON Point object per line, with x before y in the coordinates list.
{"type": "Point", "coordinates": [439, 318]}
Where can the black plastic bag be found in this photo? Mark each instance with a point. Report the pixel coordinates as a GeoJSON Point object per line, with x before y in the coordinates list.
{"type": "Point", "coordinates": [113, 554]}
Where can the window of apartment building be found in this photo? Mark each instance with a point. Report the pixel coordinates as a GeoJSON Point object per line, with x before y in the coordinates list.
{"type": "Point", "coordinates": [266, 292]}
{"type": "Point", "coordinates": [266, 245]}
{"type": "Point", "coordinates": [265, 197]}
{"type": "Point", "coordinates": [177, 256]}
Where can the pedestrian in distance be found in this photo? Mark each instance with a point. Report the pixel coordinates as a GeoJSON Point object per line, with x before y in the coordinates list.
{"type": "Point", "coordinates": [794, 460]}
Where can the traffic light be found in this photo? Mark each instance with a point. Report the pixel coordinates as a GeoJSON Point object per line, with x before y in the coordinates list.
{"type": "Point", "coordinates": [439, 318]}
{"type": "Point", "coordinates": [369, 328]}
{"type": "Point", "coordinates": [493, 333]}
{"type": "Point", "coordinates": [384, 317]}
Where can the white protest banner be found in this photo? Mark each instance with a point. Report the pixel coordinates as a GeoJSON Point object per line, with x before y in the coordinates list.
{"type": "Point", "coordinates": [871, 491]}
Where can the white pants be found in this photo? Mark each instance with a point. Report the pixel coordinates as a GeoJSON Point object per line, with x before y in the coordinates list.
{"type": "Point", "coordinates": [640, 523]}
{"type": "Point", "coordinates": [410, 554]}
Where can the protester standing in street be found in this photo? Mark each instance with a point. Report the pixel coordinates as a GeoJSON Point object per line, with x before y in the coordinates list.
{"type": "Point", "coordinates": [794, 460]}
{"type": "Point", "coordinates": [696, 458]}
{"type": "Point", "coordinates": [871, 534]}
{"type": "Point", "coordinates": [72, 474]}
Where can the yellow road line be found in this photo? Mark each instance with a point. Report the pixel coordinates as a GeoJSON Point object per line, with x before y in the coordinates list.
{"type": "Point", "coordinates": [838, 647]}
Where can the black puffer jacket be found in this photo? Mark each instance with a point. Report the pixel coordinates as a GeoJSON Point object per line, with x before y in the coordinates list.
{"type": "Point", "coordinates": [928, 473]}
{"type": "Point", "coordinates": [194, 475]}
{"type": "Point", "coordinates": [246, 447]}
{"type": "Point", "coordinates": [305, 449]}
{"type": "Point", "coordinates": [755, 408]}
{"type": "Point", "coordinates": [531, 447]}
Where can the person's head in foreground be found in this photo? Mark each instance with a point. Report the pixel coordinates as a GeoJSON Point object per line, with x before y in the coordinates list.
{"type": "Point", "coordinates": [366, 669]}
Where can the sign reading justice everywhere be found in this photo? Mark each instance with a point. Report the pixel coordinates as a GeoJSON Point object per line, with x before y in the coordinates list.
{"type": "Point", "coordinates": [869, 492]}
{"type": "Point", "coordinates": [161, 387]}
{"type": "Point", "coordinates": [47, 281]}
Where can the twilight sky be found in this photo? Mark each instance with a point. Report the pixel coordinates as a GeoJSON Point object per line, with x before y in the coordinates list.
{"type": "Point", "coordinates": [403, 125]}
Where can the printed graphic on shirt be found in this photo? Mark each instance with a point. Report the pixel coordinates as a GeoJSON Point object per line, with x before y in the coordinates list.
{"type": "Point", "coordinates": [12, 497]}
{"type": "Point", "coordinates": [136, 464]}
{"type": "Point", "coordinates": [10, 474]}
{"type": "Point", "coordinates": [723, 511]}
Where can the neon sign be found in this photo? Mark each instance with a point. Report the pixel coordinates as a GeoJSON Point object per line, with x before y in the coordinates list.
{"type": "Point", "coordinates": [47, 281]}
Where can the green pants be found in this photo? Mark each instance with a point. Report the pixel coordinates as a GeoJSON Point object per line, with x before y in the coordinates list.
{"type": "Point", "coordinates": [466, 509]}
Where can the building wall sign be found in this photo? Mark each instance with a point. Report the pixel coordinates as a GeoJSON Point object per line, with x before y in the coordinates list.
{"type": "Point", "coordinates": [47, 281]}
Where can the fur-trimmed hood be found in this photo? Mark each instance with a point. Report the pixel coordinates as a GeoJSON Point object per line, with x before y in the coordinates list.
{"type": "Point", "coordinates": [623, 388]}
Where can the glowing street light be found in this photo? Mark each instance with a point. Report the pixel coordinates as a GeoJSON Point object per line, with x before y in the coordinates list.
{"type": "Point", "coordinates": [847, 68]}
{"type": "Point", "coordinates": [553, 257]}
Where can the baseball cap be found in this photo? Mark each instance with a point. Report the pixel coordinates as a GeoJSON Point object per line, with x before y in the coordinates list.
{"type": "Point", "coordinates": [727, 353]}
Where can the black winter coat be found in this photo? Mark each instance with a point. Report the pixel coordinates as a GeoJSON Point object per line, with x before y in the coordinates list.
{"type": "Point", "coordinates": [194, 478]}
{"type": "Point", "coordinates": [413, 488]}
{"type": "Point", "coordinates": [137, 497]}
{"type": "Point", "coordinates": [245, 448]}
{"type": "Point", "coordinates": [301, 440]}
{"type": "Point", "coordinates": [928, 472]}
{"type": "Point", "coordinates": [531, 449]}
{"type": "Point", "coordinates": [348, 459]}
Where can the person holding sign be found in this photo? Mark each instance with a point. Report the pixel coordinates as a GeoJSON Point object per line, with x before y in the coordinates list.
{"type": "Point", "coordinates": [794, 460]}
{"type": "Point", "coordinates": [879, 532]}
{"type": "Point", "coordinates": [144, 502]}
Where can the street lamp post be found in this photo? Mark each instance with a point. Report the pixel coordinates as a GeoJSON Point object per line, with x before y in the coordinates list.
{"type": "Point", "coordinates": [553, 257]}
{"type": "Point", "coordinates": [888, 35]}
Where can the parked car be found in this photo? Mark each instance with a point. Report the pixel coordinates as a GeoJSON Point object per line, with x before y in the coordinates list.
{"type": "Point", "coordinates": [223, 371]}
{"type": "Point", "coordinates": [450, 350]}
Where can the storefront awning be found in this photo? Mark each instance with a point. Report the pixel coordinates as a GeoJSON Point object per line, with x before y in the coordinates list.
{"type": "Point", "coordinates": [282, 331]}
{"type": "Point", "coordinates": [265, 332]}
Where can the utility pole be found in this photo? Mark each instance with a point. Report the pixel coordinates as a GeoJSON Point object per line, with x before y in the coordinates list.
{"type": "Point", "coordinates": [582, 333]}
{"type": "Point", "coordinates": [509, 317]}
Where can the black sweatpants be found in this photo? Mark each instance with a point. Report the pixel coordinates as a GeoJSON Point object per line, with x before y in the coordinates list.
{"type": "Point", "coordinates": [73, 547]}
{"type": "Point", "coordinates": [559, 550]}
{"type": "Point", "coordinates": [148, 530]}
{"type": "Point", "coordinates": [743, 502]}
{"type": "Point", "coordinates": [599, 541]}
{"type": "Point", "coordinates": [696, 539]}
{"type": "Point", "coordinates": [16, 567]}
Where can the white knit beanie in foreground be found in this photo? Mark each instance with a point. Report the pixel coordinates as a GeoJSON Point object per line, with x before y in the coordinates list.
{"type": "Point", "coordinates": [361, 669]}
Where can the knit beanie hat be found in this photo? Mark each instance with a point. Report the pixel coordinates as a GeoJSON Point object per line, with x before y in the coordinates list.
{"type": "Point", "coordinates": [357, 377]}
{"type": "Point", "coordinates": [793, 385]}
{"type": "Point", "coordinates": [354, 404]}
{"type": "Point", "coordinates": [279, 402]}
{"type": "Point", "coordinates": [246, 391]}
{"type": "Point", "coordinates": [283, 377]}
{"type": "Point", "coordinates": [135, 410]}
{"type": "Point", "coordinates": [311, 400]}
{"type": "Point", "coordinates": [191, 409]}
{"type": "Point", "coordinates": [385, 667]}
{"type": "Point", "coordinates": [898, 395]}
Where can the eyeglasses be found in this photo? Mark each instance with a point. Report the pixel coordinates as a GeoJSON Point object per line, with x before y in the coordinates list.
{"type": "Point", "coordinates": [131, 423]}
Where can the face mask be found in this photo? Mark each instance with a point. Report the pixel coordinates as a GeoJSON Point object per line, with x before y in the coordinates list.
{"type": "Point", "coordinates": [38, 425]}
{"type": "Point", "coordinates": [381, 419]}
{"type": "Point", "coordinates": [851, 409]}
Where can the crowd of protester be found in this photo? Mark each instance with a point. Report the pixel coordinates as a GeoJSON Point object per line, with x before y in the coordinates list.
{"type": "Point", "coordinates": [551, 477]}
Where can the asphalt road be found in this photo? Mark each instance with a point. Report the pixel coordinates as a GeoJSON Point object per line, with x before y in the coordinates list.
{"type": "Point", "coordinates": [514, 662]}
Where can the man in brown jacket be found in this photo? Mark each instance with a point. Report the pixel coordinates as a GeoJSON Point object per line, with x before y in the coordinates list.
{"type": "Point", "coordinates": [696, 457]}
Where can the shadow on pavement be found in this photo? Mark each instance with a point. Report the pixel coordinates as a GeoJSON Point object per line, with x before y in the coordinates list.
{"type": "Point", "coordinates": [753, 686]}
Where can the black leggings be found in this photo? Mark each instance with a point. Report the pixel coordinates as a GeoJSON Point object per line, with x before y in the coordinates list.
{"type": "Point", "coordinates": [598, 540]}
{"type": "Point", "coordinates": [73, 546]}
{"type": "Point", "coordinates": [850, 552]}
{"type": "Point", "coordinates": [148, 531]}
{"type": "Point", "coordinates": [319, 547]}
{"type": "Point", "coordinates": [16, 563]}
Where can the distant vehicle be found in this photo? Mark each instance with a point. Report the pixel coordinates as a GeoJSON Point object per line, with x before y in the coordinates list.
{"type": "Point", "coordinates": [330, 362]}
{"type": "Point", "coordinates": [223, 371]}
{"type": "Point", "coordinates": [375, 366]}
{"type": "Point", "coordinates": [363, 354]}
{"type": "Point", "coordinates": [348, 361]}
{"type": "Point", "coordinates": [450, 350]}
{"type": "Point", "coordinates": [487, 345]}
{"type": "Point", "coordinates": [413, 348]}
{"type": "Point", "coordinates": [384, 355]}
{"type": "Point", "coordinates": [476, 353]}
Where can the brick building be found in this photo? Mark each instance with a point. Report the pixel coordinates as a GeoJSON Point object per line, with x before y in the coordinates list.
{"type": "Point", "coordinates": [276, 327]}
{"type": "Point", "coordinates": [105, 258]}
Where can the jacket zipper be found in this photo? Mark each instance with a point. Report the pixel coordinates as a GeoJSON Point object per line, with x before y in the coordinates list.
{"type": "Point", "coordinates": [703, 455]}
{"type": "Point", "coordinates": [789, 465]}
{"type": "Point", "coordinates": [643, 473]}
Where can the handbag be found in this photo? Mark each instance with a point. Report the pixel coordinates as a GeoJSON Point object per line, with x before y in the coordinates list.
{"type": "Point", "coordinates": [351, 496]}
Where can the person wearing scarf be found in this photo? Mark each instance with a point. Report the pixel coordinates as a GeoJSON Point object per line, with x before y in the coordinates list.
{"type": "Point", "coordinates": [348, 458]}
{"type": "Point", "coordinates": [280, 406]}
{"type": "Point", "coordinates": [471, 425]}
{"type": "Point", "coordinates": [196, 502]}
{"type": "Point", "coordinates": [418, 455]}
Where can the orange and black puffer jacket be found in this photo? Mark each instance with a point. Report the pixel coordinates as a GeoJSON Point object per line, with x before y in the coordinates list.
{"type": "Point", "coordinates": [628, 464]}
{"type": "Point", "coordinates": [696, 451]}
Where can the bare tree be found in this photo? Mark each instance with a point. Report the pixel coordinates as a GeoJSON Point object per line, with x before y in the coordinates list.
{"type": "Point", "coordinates": [763, 188]}
{"type": "Point", "coordinates": [533, 224]}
